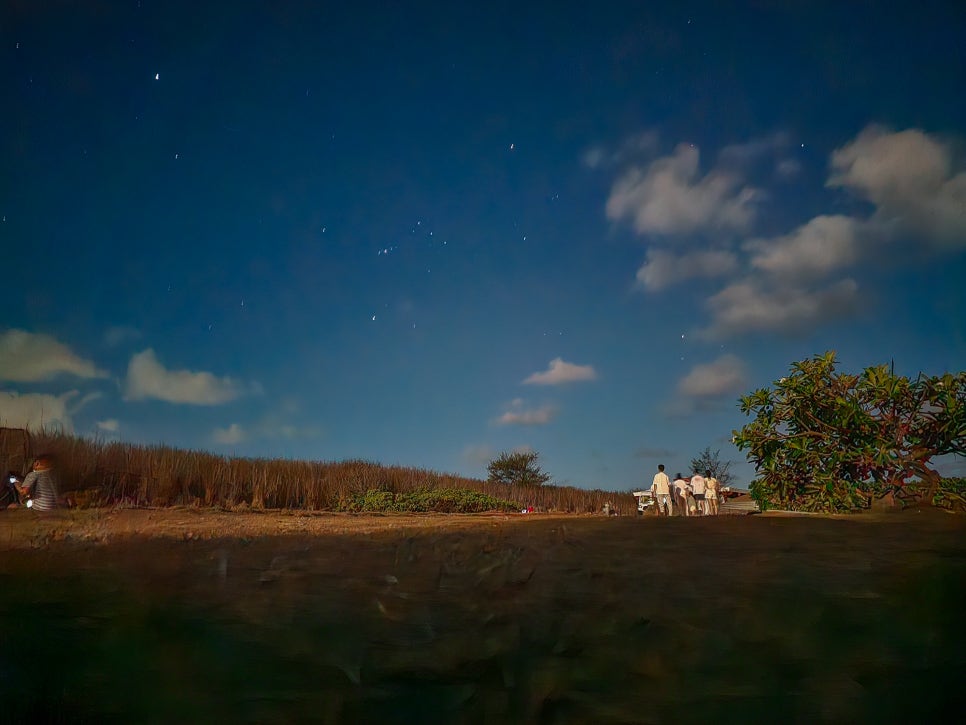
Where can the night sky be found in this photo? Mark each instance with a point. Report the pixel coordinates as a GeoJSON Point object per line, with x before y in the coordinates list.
{"type": "Point", "coordinates": [422, 234]}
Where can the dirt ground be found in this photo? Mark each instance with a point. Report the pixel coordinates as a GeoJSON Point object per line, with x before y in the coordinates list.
{"type": "Point", "coordinates": [200, 616]}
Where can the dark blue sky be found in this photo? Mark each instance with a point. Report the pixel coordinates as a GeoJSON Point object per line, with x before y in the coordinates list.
{"type": "Point", "coordinates": [426, 234]}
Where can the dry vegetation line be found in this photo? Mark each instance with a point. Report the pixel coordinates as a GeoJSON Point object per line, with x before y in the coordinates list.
{"type": "Point", "coordinates": [25, 529]}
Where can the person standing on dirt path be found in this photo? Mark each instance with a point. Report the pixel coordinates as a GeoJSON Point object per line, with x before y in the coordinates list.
{"type": "Point", "coordinates": [681, 494]}
{"type": "Point", "coordinates": [40, 485]}
{"type": "Point", "coordinates": [712, 491]}
{"type": "Point", "coordinates": [661, 492]}
{"type": "Point", "coordinates": [699, 488]}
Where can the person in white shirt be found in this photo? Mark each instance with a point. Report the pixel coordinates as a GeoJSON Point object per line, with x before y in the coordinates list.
{"type": "Point", "coordinates": [661, 491]}
{"type": "Point", "coordinates": [681, 494]}
{"type": "Point", "coordinates": [713, 490]}
{"type": "Point", "coordinates": [699, 487]}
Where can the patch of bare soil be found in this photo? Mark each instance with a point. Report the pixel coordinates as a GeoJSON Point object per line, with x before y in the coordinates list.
{"type": "Point", "coordinates": [201, 616]}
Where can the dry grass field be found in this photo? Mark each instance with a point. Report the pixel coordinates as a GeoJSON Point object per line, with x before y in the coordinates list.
{"type": "Point", "coordinates": [188, 615]}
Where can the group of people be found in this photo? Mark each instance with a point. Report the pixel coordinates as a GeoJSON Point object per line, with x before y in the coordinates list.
{"type": "Point", "coordinates": [39, 487]}
{"type": "Point", "coordinates": [698, 496]}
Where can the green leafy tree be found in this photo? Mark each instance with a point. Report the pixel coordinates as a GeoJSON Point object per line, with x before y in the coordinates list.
{"type": "Point", "coordinates": [825, 440]}
{"type": "Point", "coordinates": [518, 468]}
{"type": "Point", "coordinates": [708, 460]}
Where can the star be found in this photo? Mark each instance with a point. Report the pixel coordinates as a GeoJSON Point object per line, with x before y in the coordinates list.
{"type": "Point", "coordinates": [157, 76]}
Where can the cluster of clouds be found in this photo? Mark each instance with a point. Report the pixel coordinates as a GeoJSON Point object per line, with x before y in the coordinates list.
{"type": "Point", "coordinates": [909, 199]}
{"type": "Point", "coordinates": [699, 224]}
{"type": "Point", "coordinates": [37, 358]}
{"type": "Point", "coordinates": [558, 372]}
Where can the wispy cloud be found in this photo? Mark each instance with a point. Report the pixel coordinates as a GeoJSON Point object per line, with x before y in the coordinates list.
{"type": "Point", "coordinates": [518, 414]}
{"type": "Point", "coordinates": [723, 377]}
{"type": "Point", "coordinates": [148, 379]}
{"type": "Point", "coordinates": [708, 386]}
{"type": "Point", "coordinates": [27, 357]}
{"type": "Point", "coordinates": [816, 249]}
{"type": "Point", "coordinates": [754, 305]}
{"type": "Point", "coordinates": [671, 197]}
{"type": "Point", "coordinates": [664, 269]}
{"type": "Point", "coordinates": [798, 281]}
{"type": "Point", "coordinates": [280, 423]}
{"type": "Point", "coordinates": [37, 411]}
{"type": "Point", "coordinates": [234, 433]}
{"type": "Point", "coordinates": [111, 425]}
{"type": "Point", "coordinates": [909, 177]}
{"type": "Point", "coordinates": [561, 372]}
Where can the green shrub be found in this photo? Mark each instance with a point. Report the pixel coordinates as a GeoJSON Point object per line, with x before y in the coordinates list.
{"type": "Point", "coordinates": [951, 494]}
{"type": "Point", "coordinates": [444, 500]}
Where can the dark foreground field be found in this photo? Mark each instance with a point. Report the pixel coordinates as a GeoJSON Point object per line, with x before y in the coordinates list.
{"type": "Point", "coordinates": [181, 616]}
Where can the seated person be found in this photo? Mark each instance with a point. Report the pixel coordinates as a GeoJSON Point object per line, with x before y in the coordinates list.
{"type": "Point", "coordinates": [40, 485]}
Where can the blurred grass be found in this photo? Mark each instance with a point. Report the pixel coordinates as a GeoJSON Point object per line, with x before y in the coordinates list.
{"type": "Point", "coordinates": [754, 619]}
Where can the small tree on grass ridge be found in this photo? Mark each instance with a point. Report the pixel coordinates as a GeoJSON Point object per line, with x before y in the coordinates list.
{"type": "Point", "coordinates": [517, 469]}
{"type": "Point", "coordinates": [711, 461]}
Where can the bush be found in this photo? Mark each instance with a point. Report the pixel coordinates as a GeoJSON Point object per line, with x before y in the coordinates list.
{"type": "Point", "coordinates": [822, 440]}
{"type": "Point", "coordinates": [951, 494]}
{"type": "Point", "coordinates": [447, 500]}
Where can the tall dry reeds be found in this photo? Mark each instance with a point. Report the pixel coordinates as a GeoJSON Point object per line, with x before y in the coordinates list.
{"type": "Point", "coordinates": [113, 472]}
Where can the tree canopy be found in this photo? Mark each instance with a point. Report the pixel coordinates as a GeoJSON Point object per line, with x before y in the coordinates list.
{"type": "Point", "coordinates": [518, 468]}
{"type": "Point", "coordinates": [826, 440]}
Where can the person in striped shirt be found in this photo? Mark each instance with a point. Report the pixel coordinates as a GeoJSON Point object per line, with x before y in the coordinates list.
{"type": "Point", "coordinates": [40, 485]}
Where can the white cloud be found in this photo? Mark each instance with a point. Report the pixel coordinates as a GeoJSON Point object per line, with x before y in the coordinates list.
{"type": "Point", "coordinates": [909, 176]}
{"type": "Point", "coordinates": [561, 372]}
{"type": "Point", "coordinates": [670, 197]}
{"type": "Point", "coordinates": [518, 414]}
{"type": "Point", "coordinates": [149, 379]}
{"type": "Point", "coordinates": [817, 248]}
{"type": "Point", "coordinates": [26, 357]}
{"type": "Point", "coordinates": [110, 425]}
{"type": "Point", "coordinates": [665, 269]}
{"type": "Point", "coordinates": [230, 435]}
{"type": "Point", "coordinates": [753, 306]}
{"type": "Point", "coordinates": [36, 411]}
{"type": "Point", "coordinates": [722, 377]}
